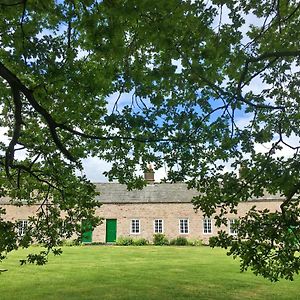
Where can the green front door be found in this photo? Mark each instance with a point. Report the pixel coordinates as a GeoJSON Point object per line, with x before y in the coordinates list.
{"type": "Point", "coordinates": [86, 232]}
{"type": "Point", "coordinates": [111, 230]}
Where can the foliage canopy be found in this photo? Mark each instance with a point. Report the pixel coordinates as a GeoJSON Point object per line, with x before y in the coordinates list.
{"type": "Point", "coordinates": [209, 83]}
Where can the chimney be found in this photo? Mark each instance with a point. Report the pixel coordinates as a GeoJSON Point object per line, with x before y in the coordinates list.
{"type": "Point", "coordinates": [242, 171]}
{"type": "Point", "coordinates": [149, 174]}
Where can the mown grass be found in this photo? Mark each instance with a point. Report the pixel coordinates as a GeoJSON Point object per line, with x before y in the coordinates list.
{"type": "Point", "coordinates": [108, 272]}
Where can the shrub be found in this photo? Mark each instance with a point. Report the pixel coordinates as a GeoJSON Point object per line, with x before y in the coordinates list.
{"type": "Point", "coordinates": [124, 241]}
{"type": "Point", "coordinates": [96, 243]}
{"type": "Point", "coordinates": [160, 239]}
{"type": "Point", "coordinates": [179, 241]}
{"type": "Point", "coordinates": [140, 242]}
{"type": "Point", "coordinates": [195, 243]}
{"type": "Point", "coordinates": [70, 243]}
{"type": "Point", "coordinates": [172, 242]}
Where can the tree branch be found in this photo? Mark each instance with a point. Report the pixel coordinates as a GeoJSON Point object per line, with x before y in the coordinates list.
{"type": "Point", "coordinates": [12, 79]}
{"type": "Point", "coordinates": [9, 154]}
{"type": "Point", "coordinates": [289, 198]}
{"type": "Point", "coordinates": [271, 24]}
{"type": "Point", "coordinates": [274, 55]}
{"type": "Point", "coordinates": [12, 4]}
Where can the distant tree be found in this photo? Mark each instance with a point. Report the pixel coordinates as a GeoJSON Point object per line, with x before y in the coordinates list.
{"type": "Point", "coordinates": [209, 83]}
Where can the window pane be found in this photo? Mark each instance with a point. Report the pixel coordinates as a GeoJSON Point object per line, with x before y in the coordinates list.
{"type": "Point", "coordinates": [135, 226]}
{"type": "Point", "coordinates": [232, 223]}
{"type": "Point", "coordinates": [183, 226]}
{"type": "Point", "coordinates": [22, 225]}
{"type": "Point", "coordinates": [207, 227]}
{"type": "Point", "coordinates": [158, 226]}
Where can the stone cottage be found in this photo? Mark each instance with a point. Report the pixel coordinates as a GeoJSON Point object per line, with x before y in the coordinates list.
{"type": "Point", "coordinates": [158, 208]}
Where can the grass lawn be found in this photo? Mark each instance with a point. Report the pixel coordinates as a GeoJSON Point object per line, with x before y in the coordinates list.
{"type": "Point", "coordinates": [110, 272]}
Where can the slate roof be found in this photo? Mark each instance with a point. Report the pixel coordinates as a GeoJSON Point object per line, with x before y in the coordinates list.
{"type": "Point", "coordinates": [152, 193]}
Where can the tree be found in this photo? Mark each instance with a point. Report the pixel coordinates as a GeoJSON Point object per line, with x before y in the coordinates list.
{"type": "Point", "coordinates": [209, 82]}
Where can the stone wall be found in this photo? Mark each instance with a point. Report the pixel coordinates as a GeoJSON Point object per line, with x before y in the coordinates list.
{"type": "Point", "coordinates": [170, 213]}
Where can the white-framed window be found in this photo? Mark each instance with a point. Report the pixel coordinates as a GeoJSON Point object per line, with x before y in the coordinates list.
{"type": "Point", "coordinates": [135, 226]}
{"type": "Point", "coordinates": [22, 226]}
{"type": "Point", "coordinates": [184, 226]}
{"type": "Point", "coordinates": [207, 226]}
{"type": "Point", "coordinates": [158, 226]}
{"type": "Point", "coordinates": [232, 229]}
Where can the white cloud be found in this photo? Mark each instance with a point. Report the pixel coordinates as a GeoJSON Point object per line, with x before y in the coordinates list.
{"type": "Point", "coordinates": [117, 101]}
{"type": "Point", "coordinates": [178, 64]}
{"type": "Point", "coordinates": [243, 120]}
{"type": "Point", "coordinates": [256, 86]}
{"type": "Point", "coordinates": [284, 152]}
{"type": "Point", "coordinates": [3, 135]}
{"type": "Point", "coordinates": [93, 169]}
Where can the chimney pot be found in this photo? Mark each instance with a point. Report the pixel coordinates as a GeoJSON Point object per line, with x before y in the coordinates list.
{"type": "Point", "coordinates": [149, 174]}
